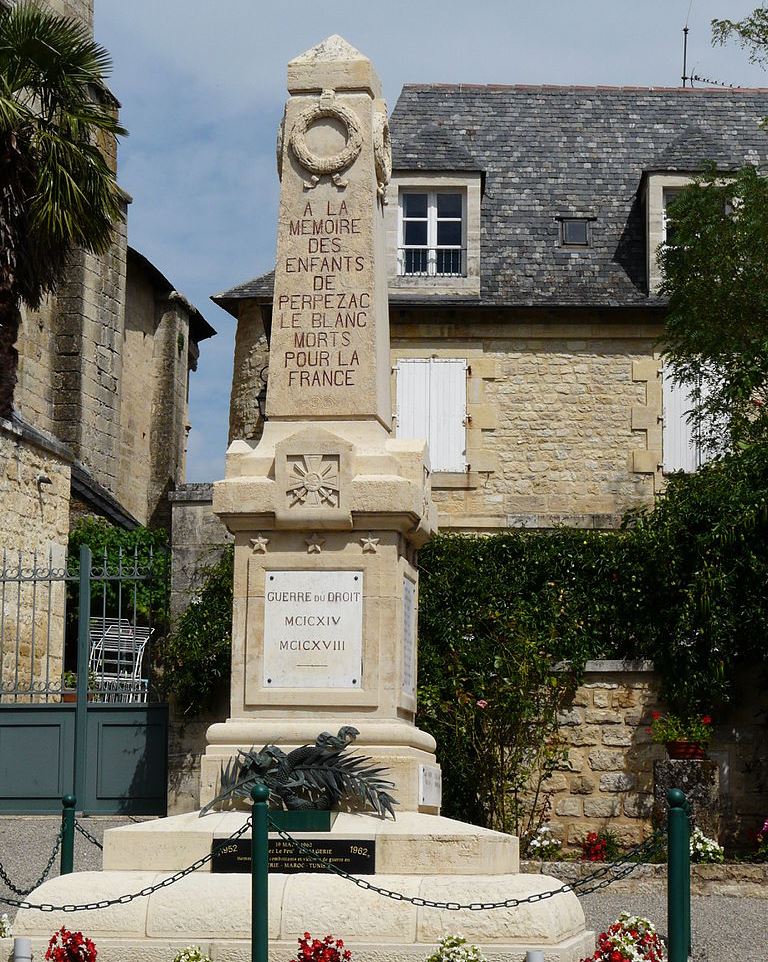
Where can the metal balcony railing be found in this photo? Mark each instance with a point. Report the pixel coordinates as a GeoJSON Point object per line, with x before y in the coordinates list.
{"type": "Point", "coordinates": [432, 261]}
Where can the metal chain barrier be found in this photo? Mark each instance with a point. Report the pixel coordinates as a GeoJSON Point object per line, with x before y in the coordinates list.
{"type": "Point", "coordinates": [620, 870]}
{"type": "Point", "coordinates": [49, 865]}
{"type": "Point", "coordinates": [87, 835]}
{"type": "Point", "coordinates": [598, 879]}
{"type": "Point", "coordinates": [143, 893]}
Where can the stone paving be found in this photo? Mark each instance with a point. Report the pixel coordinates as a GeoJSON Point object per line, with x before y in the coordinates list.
{"type": "Point", "coordinates": [725, 928]}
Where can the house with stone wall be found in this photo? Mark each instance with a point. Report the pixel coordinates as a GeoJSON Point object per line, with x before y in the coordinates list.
{"type": "Point", "coordinates": [101, 414]}
{"type": "Point", "coordinates": [522, 228]}
{"type": "Point", "coordinates": [101, 403]}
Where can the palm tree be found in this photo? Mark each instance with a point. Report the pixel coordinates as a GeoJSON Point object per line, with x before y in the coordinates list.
{"type": "Point", "coordinates": [57, 191]}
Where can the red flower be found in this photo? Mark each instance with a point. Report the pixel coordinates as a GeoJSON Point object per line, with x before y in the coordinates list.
{"type": "Point", "coordinates": [706, 720]}
{"type": "Point", "coordinates": [655, 715]}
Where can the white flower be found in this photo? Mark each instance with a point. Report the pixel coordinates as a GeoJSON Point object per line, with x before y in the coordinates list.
{"type": "Point", "coordinates": [704, 849]}
{"type": "Point", "coordinates": [455, 948]}
{"type": "Point", "coordinates": [192, 953]}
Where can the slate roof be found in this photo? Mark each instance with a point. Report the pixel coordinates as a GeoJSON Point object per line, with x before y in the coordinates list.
{"type": "Point", "coordinates": [548, 152]}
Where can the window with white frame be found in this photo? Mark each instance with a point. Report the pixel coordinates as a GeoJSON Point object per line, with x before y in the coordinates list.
{"type": "Point", "coordinates": [432, 404]}
{"type": "Point", "coordinates": [682, 449]}
{"type": "Point", "coordinates": [432, 233]}
{"type": "Point", "coordinates": [667, 224]}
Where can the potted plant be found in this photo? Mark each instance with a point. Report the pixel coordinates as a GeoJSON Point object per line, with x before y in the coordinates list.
{"type": "Point", "coordinates": [69, 686]}
{"type": "Point", "coordinates": [685, 736]}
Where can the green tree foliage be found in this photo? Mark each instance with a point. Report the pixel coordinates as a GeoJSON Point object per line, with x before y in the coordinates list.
{"type": "Point", "coordinates": [130, 568]}
{"type": "Point", "coordinates": [198, 652]}
{"type": "Point", "coordinates": [57, 191]}
{"type": "Point", "coordinates": [500, 651]}
{"type": "Point", "coordinates": [706, 579]}
{"type": "Point", "coordinates": [715, 274]}
{"type": "Point", "coordinates": [751, 33]}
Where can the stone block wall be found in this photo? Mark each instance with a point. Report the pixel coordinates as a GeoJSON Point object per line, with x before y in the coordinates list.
{"type": "Point", "coordinates": [197, 538]}
{"type": "Point", "coordinates": [35, 532]}
{"type": "Point", "coordinates": [607, 781]}
{"type": "Point", "coordinates": [563, 416]}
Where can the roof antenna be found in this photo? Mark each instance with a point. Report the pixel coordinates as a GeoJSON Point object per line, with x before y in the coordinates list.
{"type": "Point", "coordinates": [685, 78]}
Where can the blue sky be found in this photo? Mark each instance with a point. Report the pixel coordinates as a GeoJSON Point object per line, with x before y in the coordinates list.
{"type": "Point", "coordinates": [202, 86]}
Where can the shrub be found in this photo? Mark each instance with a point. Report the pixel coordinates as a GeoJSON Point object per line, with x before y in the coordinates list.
{"type": "Point", "coordinates": [704, 849]}
{"type": "Point", "coordinates": [199, 649]}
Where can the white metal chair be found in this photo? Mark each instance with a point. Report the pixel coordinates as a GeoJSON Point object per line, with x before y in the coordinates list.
{"type": "Point", "coordinates": [117, 656]}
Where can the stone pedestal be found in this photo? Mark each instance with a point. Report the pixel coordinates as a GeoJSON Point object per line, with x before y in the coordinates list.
{"type": "Point", "coordinates": [700, 780]}
{"type": "Point", "coordinates": [418, 855]}
{"type": "Point", "coordinates": [328, 509]}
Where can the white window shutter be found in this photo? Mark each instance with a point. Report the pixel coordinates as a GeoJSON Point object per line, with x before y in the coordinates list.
{"type": "Point", "coordinates": [448, 414]}
{"type": "Point", "coordinates": [413, 398]}
{"type": "Point", "coordinates": [679, 446]}
{"type": "Point", "coordinates": [432, 404]}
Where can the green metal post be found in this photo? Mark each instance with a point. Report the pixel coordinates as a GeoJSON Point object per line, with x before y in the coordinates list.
{"type": "Point", "coordinates": [678, 877]}
{"type": "Point", "coordinates": [259, 874]}
{"type": "Point", "coordinates": [68, 803]}
{"type": "Point", "coordinates": [83, 656]}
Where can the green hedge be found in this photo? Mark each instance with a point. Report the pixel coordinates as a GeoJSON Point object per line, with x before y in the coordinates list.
{"type": "Point", "coordinates": [685, 584]}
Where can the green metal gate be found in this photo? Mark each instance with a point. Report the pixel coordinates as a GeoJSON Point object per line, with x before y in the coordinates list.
{"type": "Point", "coordinates": [79, 709]}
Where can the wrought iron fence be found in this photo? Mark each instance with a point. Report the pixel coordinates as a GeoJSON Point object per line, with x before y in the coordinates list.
{"type": "Point", "coordinates": [42, 614]}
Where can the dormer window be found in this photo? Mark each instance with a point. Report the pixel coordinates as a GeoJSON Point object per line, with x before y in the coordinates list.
{"type": "Point", "coordinates": [432, 234]}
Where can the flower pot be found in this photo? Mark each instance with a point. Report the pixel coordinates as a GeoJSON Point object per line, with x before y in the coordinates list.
{"type": "Point", "coordinates": [68, 696]}
{"type": "Point", "coordinates": [689, 750]}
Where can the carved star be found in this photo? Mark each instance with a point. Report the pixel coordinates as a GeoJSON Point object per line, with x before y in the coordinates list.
{"type": "Point", "coordinates": [259, 543]}
{"type": "Point", "coordinates": [314, 544]}
{"type": "Point", "coordinates": [369, 544]}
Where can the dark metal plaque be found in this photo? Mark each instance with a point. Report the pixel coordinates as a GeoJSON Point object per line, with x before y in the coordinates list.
{"type": "Point", "coordinates": [357, 856]}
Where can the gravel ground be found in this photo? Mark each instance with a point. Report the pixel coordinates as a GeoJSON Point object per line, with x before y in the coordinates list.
{"type": "Point", "coordinates": [725, 929]}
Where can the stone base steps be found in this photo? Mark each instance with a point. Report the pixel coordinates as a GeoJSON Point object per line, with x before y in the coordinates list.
{"type": "Point", "coordinates": [733, 878]}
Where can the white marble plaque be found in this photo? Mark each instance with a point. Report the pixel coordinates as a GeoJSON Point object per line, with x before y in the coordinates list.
{"type": "Point", "coordinates": [430, 785]}
{"type": "Point", "coordinates": [313, 629]}
{"type": "Point", "coordinates": [409, 637]}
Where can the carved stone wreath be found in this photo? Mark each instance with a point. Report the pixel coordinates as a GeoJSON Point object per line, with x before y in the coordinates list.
{"type": "Point", "coordinates": [382, 152]}
{"type": "Point", "coordinates": [317, 164]}
{"type": "Point", "coordinates": [314, 479]}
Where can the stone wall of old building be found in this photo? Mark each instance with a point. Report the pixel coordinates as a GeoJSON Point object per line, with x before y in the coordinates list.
{"type": "Point", "coordinates": [86, 410]}
{"type": "Point", "coordinates": [607, 780]}
{"type": "Point", "coordinates": [564, 411]}
{"type": "Point", "coordinates": [157, 356]}
{"type": "Point", "coordinates": [251, 358]}
{"type": "Point", "coordinates": [197, 539]}
{"type": "Point", "coordinates": [561, 416]}
{"type": "Point", "coordinates": [78, 9]}
{"type": "Point", "coordinates": [34, 493]}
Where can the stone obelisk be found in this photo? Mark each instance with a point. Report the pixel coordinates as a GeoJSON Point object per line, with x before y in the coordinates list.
{"type": "Point", "coordinates": [328, 508]}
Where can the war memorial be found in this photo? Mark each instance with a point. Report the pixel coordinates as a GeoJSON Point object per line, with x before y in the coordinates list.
{"type": "Point", "coordinates": [328, 511]}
